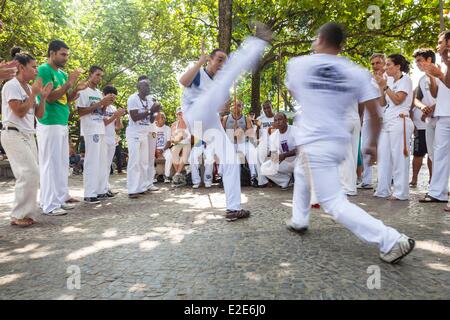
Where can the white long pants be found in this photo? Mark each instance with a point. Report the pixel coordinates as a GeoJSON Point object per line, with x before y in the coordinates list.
{"type": "Point", "coordinates": [137, 167]}
{"type": "Point", "coordinates": [365, 142]}
{"type": "Point", "coordinates": [151, 159]}
{"type": "Point", "coordinates": [203, 114]}
{"type": "Point", "coordinates": [392, 163]}
{"type": "Point", "coordinates": [95, 180]}
{"type": "Point", "coordinates": [110, 152]}
{"type": "Point", "coordinates": [318, 162]}
{"type": "Point", "coordinates": [198, 153]}
{"type": "Point", "coordinates": [53, 149]}
{"type": "Point", "coordinates": [347, 168]}
{"type": "Point", "coordinates": [441, 160]}
{"type": "Point", "coordinates": [22, 155]}
{"type": "Point", "coordinates": [284, 172]}
{"type": "Point", "coordinates": [430, 133]}
{"type": "Point", "coordinates": [251, 154]}
{"type": "Point", "coordinates": [263, 151]}
{"type": "Point", "coordinates": [167, 154]}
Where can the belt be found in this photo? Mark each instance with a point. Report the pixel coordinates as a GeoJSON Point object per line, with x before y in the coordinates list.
{"type": "Point", "coordinates": [11, 128]}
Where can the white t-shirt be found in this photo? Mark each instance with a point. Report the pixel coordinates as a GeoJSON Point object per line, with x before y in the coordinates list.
{"type": "Point", "coordinates": [110, 129]}
{"type": "Point", "coordinates": [424, 84]}
{"type": "Point", "coordinates": [91, 123]}
{"type": "Point", "coordinates": [140, 127]}
{"type": "Point", "coordinates": [417, 119]}
{"type": "Point", "coordinates": [201, 83]}
{"type": "Point", "coordinates": [442, 100]}
{"type": "Point", "coordinates": [326, 86]}
{"type": "Point", "coordinates": [283, 142]}
{"type": "Point", "coordinates": [162, 136]}
{"type": "Point", "coordinates": [12, 90]}
{"type": "Point", "coordinates": [392, 111]}
{"type": "Point", "coordinates": [353, 112]}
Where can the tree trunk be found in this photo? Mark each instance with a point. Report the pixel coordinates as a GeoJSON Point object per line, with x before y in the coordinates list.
{"type": "Point", "coordinates": [256, 92]}
{"type": "Point", "coordinates": [225, 25]}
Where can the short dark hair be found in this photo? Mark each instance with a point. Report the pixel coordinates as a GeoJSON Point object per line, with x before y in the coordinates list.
{"type": "Point", "coordinates": [213, 53]}
{"type": "Point", "coordinates": [93, 69]}
{"type": "Point", "coordinates": [398, 59]}
{"type": "Point", "coordinates": [55, 46]}
{"type": "Point", "coordinates": [22, 57]}
{"type": "Point", "coordinates": [109, 89]}
{"type": "Point", "coordinates": [333, 34]}
{"type": "Point", "coordinates": [283, 114]}
{"type": "Point", "coordinates": [267, 102]}
{"type": "Point", "coordinates": [142, 78]}
{"type": "Point", "coordinates": [425, 53]}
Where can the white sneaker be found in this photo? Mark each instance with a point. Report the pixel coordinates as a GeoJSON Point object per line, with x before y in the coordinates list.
{"type": "Point", "coordinates": [208, 185]}
{"type": "Point", "coordinates": [56, 212]}
{"type": "Point", "coordinates": [400, 250]}
{"type": "Point", "coordinates": [155, 180]}
{"type": "Point", "coordinates": [152, 188]}
{"type": "Point", "coordinates": [68, 206]}
{"type": "Point", "coordinates": [195, 186]}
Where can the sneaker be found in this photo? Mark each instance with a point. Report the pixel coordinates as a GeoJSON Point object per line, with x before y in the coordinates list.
{"type": "Point", "coordinates": [285, 188]}
{"type": "Point", "coordinates": [315, 206]}
{"type": "Point", "coordinates": [254, 182]}
{"type": "Point", "coordinates": [195, 186]}
{"type": "Point", "coordinates": [233, 215]}
{"type": "Point", "coordinates": [166, 180]}
{"type": "Point", "coordinates": [67, 206]}
{"type": "Point", "coordinates": [155, 180]}
{"type": "Point", "coordinates": [152, 188]}
{"type": "Point", "coordinates": [208, 185]}
{"type": "Point", "coordinates": [133, 196]}
{"type": "Point", "coordinates": [56, 212]}
{"type": "Point", "coordinates": [111, 194]}
{"type": "Point", "coordinates": [296, 228]}
{"type": "Point", "coordinates": [365, 186]}
{"type": "Point", "coordinates": [92, 200]}
{"type": "Point", "coordinates": [351, 194]}
{"type": "Point", "coordinates": [400, 250]}
{"type": "Point", "coordinates": [263, 31]}
{"type": "Point", "coordinates": [102, 197]}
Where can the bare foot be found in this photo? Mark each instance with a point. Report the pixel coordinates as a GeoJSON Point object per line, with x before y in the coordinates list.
{"type": "Point", "coordinates": [447, 209]}
{"type": "Point", "coordinates": [72, 200]}
{"type": "Point", "coordinates": [393, 198]}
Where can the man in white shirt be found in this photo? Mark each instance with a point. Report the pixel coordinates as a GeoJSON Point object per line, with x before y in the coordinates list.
{"type": "Point", "coordinates": [142, 109]}
{"type": "Point", "coordinates": [425, 125]}
{"type": "Point", "coordinates": [438, 190]}
{"type": "Point", "coordinates": [325, 85]}
{"type": "Point", "coordinates": [163, 144]}
{"type": "Point", "coordinates": [91, 106]}
{"type": "Point", "coordinates": [113, 122]}
{"type": "Point", "coordinates": [204, 98]}
{"type": "Point", "coordinates": [378, 62]}
{"type": "Point", "coordinates": [264, 129]}
{"type": "Point", "coordinates": [282, 148]}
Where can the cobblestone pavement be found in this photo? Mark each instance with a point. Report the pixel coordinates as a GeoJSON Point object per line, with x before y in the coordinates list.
{"type": "Point", "coordinates": [176, 244]}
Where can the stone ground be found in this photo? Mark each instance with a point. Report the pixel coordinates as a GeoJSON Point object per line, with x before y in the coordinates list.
{"type": "Point", "coordinates": [176, 244]}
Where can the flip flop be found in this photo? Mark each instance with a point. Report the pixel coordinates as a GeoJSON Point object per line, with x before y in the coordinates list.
{"type": "Point", "coordinates": [429, 199]}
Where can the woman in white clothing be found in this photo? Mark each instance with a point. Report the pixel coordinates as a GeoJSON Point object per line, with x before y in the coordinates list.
{"type": "Point", "coordinates": [19, 109]}
{"type": "Point", "coordinates": [394, 142]}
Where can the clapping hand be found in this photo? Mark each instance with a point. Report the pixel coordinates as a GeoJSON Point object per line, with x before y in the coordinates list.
{"type": "Point", "coordinates": [432, 70]}
{"type": "Point", "coordinates": [38, 89]}
{"type": "Point", "coordinates": [74, 75]}
{"type": "Point", "coordinates": [8, 70]}
{"type": "Point", "coordinates": [381, 81]}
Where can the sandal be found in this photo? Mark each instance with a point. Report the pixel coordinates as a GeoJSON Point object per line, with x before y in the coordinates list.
{"type": "Point", "coordinates": [429, 199]}
{"type": "Point", "coordinates": [413, 184]}
{"type": "Point", "coordinates": [22, 222]}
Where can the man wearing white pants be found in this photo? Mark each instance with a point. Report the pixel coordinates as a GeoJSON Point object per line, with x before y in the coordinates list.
{"type": "Point", "coordinates": [282, 148]}
{"type": "Point", "coordinates": [438, 190]}
{"type": "Point", "coordinates": [52, 131]}
{"type": "Point", "coordinates": [113, 122]}
{"type": "Point", "coordinates": [91, 107]}
{"type": "Point", "coordinates": [347, 168]}
{"type": "Point", "coordinates": [142, 109]}
{"type": "Point", "coordinates": [163, 144]}
{"type": "Point", "coordinates": [203, 99]}
{"type": "Point", "coordinates": [325, 86]}
{"type": "Point", "coordinates": [377, 61]}
{"type": "Point", "coordinates": [264, 122]}
{"type": "Point", "coordinates": [202, 151]}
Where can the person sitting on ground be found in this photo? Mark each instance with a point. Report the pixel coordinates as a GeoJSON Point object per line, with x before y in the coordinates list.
{"type": "Point", "coordinates": [281, 165]}
{"type": "Point", "coordinates": [181, 139]}
{"type": "Point", "coordinates": [241, 128]}
{"type": "Point", "coordinates": [163, 144]}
